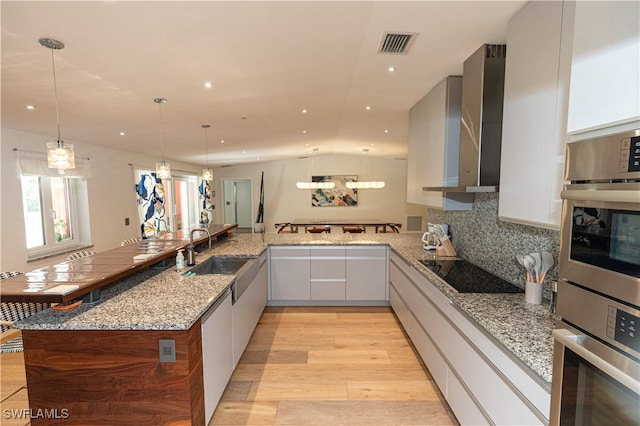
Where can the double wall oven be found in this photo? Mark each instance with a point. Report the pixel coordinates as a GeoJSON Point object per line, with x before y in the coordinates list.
{"type": "Point", "coordinates": [596, 367]}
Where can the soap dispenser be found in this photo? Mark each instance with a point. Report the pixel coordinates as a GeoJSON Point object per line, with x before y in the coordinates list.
{"type": "Point", "coordinates": [180, 260]}
{"type": "Point", "coordinates": [191, 255]}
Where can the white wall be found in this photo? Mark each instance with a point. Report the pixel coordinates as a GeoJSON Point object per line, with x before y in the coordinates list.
{"type": "Point", "coordinates": [111, 196]}
{"type": "Point", "coordinates": [284, 202]}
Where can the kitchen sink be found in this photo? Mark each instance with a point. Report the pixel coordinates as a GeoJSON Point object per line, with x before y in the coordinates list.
{"type": "Point", "coordinates": [244, 268]}
{"type": "Point", "coordinates": [220, 265]}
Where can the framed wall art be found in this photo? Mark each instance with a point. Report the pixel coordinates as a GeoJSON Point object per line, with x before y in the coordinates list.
{"type": "Point", "coordinates": [338, 196]}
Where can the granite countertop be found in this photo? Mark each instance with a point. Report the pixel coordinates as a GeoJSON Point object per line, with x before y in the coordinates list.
{"type": "Point", "coordinates": [165, 299]}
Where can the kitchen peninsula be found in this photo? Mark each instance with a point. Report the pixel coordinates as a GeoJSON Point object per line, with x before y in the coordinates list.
{"type": "Point", "coordinates": [101, 361]}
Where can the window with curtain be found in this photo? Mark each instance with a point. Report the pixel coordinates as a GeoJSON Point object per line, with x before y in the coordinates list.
{"type": "Point", "coordinates": [165, 205]}
{"type": "Point", "coordinates": [55, 207]}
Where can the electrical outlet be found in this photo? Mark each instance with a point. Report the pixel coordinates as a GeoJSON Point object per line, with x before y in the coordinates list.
{"type": "Point", "coordinates": [167, 349]}
{"type": "Point", "coordinates": [126, 221]}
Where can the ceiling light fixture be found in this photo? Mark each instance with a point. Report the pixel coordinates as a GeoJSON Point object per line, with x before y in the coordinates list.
{"type": "Point", "coordinates": [207, 173]}
{"type": "Point", "coordinates": [163, 169]}
{"type": "Point", "coordinates": [59, 155]}
{"type": "Point", "coordinates": [309, 183]}
{"type": "Point", "coordinates": [365, 184]}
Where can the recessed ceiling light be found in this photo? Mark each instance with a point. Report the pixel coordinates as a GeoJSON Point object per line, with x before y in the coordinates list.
{"type": "Point", "coordinates": [392, 69]}
{"type": "Point", "coordinates": [304, 111]}
{"type": "Point", "coordinates": [221, 140]}
{"type": "Point", "coordinates": [386, 131]}
{"type": "Point", "coordinates": [368, 108]}
{"type": "Point", "coordinates": [121, 133]}
{"type": "Point", "coordinates": [304, 131]}
{"type": "Point", "coordinates": [30, 107]}
{"type": "Point", "coordinates": [244, 152]}
{"type": "Point", "coordinates": [208, 84]}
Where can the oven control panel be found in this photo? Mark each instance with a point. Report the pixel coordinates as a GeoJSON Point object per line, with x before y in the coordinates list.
{"type": "Point", "coordinates": [630, 155]}
{"type": "Point", "coordinates": [623, 328]}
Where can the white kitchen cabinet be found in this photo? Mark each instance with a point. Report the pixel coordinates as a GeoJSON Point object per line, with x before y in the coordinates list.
{"type": "Point", "coordinates": [290, 273]}
{"type": "Point", "coordinates": [328, 273]}
{"type": "Point", "coordinates": [334, 275]}
{"type": "Point", "coordinates": [481, 383]}
{"type": "Point", "coordinates": [605, 68]}
{"type": "Point", "coordinates": [366, 273]}
{"type": "Point", "coordinates": [434, 135]}
{"type": "Point", "coordinates": [535, 110]}
{"type": "Point", "coordinates": [247, 310]}
{"type": "Point", "coordinates": [217, 356]}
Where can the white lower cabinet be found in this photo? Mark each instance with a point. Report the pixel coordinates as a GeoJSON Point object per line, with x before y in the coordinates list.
{"type": "Point", "coordinates": [217, 354]}
{"type": "Point", "coordinates": [247, 310]}
{"type": "Point", "coordinates": [481, 383]}
{"type": "Point", "coordinates": [336, 274]}
{"type": "Point", "coordinates": [290, 273]}
{"type": "Point", "coordinates": [367, 273]}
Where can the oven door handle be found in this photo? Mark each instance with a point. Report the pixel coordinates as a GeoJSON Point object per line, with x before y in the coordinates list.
{"type": "Point", "coordinates": [606, 195]}
{"type": "Point", "coordinates": [573, 341]}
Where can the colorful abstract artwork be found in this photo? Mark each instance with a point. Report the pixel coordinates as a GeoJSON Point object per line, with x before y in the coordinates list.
{"type": "Point", "coordinates": [339, 195]}
{"type": "Point", "coordinates": [151, 204]}
{"type": "Point", "coordinates": [206, 206]}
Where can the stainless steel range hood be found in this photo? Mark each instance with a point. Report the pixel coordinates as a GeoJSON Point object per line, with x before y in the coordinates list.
{"type": "Point", "coordinates": [481, 122]}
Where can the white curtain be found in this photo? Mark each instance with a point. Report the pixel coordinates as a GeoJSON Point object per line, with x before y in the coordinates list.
{"type": "Point", "coordinates": [30, 163]}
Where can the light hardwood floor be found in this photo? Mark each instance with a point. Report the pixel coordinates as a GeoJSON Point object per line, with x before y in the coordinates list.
{"type": "Point", "coordinates": [331, 366]}
{"type": "Point", "coordinates": [309, 366]}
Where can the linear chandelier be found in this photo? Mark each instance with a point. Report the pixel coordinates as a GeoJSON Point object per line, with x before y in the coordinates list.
{"type": "Point", "coordinates": [373, 184]}
{"type": "Point", "coordinates": [59, 155]}
{"type": "Point", "coordinates": [309, 183]}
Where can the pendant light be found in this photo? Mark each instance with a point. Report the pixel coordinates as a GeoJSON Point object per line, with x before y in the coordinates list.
{"type": "Point", "coordinates": [365, 184]}
{"type": "Point", "coordinates": [314, 185]}
{"type": "Point", "coordinates": [59, 155]}
{"type": "Point", "coordinates": [207, 173]}
{"type": "Point", "coordinates": [163, 169]}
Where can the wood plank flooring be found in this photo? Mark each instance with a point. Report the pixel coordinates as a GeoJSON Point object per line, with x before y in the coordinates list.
{"type": "Point", "coordinates": [331, 366]}
{"type": "Point", "coordinates": [309, 366]}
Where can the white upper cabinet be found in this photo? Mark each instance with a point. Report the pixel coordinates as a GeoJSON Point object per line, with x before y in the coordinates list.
{"type": "Point", "coordinates": [605, 69]}
{"type": "Point", "coordinates": [434, 135]}
{"type": "Point", "coordinates": [535, 110]}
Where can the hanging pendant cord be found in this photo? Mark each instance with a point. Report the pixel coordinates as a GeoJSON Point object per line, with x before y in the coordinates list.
{"type": "Point", "coordinates": [161, 133]}
{"type": "Point", "coordinates": [55, 92]}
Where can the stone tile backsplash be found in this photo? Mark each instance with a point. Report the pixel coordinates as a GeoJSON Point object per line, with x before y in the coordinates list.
{"type": "Point", "coordinates": [481, 238]}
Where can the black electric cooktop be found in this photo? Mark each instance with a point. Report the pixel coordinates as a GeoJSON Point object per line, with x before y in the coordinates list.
{"type": "Point", "coordinates": [466, 277]}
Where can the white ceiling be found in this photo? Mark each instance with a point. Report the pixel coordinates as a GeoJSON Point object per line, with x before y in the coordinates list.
{"type": "Point", "coordinates": [267, 61]}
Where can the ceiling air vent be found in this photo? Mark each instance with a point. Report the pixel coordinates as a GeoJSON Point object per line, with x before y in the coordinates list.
{"type": "Point", "coordinates": [396, 43]}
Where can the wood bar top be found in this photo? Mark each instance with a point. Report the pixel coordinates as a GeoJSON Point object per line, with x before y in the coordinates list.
{"type": "Point", "coordinates": [375, 223]}
{"type": "Point", "coordinates": [94, 272]}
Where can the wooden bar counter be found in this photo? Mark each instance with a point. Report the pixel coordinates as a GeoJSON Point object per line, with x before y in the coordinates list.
{"type": "Point", "coordinates": [45, 285]}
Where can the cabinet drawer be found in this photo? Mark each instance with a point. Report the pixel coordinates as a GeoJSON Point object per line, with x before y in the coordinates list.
{"type": "Point", "coordinates": [328, 290]}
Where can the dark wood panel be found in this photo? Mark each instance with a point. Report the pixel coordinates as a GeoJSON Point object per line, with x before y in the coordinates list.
{"type": "Point", "coordinates": [115, 376]}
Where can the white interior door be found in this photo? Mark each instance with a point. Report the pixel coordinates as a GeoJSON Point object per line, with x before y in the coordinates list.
{"type": "Point", "coordinates": [237, 202]}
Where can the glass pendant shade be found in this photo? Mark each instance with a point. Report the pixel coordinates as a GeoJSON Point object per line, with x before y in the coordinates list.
{"type": "Point", "coordinates": [365, 185]}
{"type": "Point", "coordinates": [60, 156]}
{"type": "Point", "coordinates": [163, 170]}
{"type": "Point", "coordinates": [207, 174]}
{"type": "Point", "coordinates": [315, 185]}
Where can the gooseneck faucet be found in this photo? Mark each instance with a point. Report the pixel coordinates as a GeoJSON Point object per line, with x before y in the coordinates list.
{"type": "Point", "coordinates": [199, 229]}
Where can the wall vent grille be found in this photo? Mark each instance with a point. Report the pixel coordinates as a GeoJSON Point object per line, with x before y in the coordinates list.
{"type": "Point", "coordinates": [414, 223]}
{"type": "Point", "coordinates": [396, 43]}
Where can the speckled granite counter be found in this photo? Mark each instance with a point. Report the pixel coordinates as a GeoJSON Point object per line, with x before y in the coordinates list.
{"type": "Point", "coordinates": [164, 299]}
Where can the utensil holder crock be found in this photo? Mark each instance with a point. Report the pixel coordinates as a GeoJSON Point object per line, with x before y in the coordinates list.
{"type": "Point", "coordinates": [533, 293]}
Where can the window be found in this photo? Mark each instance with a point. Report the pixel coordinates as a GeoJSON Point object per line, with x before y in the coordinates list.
{"type": "Point", "coordinates": [55, 207]}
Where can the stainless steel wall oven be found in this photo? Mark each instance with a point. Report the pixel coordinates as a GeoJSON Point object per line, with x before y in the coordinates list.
{"type": "Point", "coordinates": [596, 370]}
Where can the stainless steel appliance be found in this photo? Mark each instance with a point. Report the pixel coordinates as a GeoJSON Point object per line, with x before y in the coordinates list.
{"type": "Point", "coordinates": [596, 367]}
{"type": "Point", "coordinates": [480, 141]}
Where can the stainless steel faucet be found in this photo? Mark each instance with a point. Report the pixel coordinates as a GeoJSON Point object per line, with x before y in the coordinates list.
{"type": "Point", "coordinates": [199, 229]}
